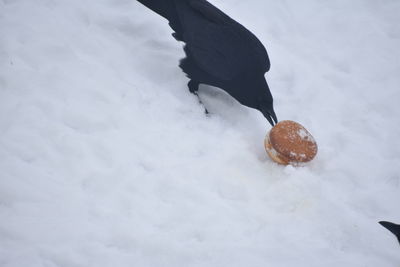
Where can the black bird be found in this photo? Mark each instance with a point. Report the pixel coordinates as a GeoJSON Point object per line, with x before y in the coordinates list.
{"type": "Point", "coordinates": [219, 52]}
{"type": "Point", "coordinates": [392, 227]}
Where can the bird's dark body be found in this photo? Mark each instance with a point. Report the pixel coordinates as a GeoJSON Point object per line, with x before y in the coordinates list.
{"type": "Point", "coordinates": [219, 52]}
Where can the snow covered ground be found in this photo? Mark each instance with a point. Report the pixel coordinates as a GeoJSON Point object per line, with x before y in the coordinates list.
{"type": "Point", "coordinates": [107, 160]}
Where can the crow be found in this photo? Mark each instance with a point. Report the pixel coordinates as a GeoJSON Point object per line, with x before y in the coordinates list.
{"type": "Point", "coordinates": [392, 227]}
{"type": "Point", "coordinates": [219, 52]}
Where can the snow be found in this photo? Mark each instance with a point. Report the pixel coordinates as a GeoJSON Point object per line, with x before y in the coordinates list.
{"type": "Point", "coordinates": [304, 135]}
{"type": "Point", "coordinates": [107, 160]}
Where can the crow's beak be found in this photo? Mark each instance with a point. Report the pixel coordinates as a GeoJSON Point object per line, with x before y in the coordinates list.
{"type": "Point", "coordinates": [270, 115]}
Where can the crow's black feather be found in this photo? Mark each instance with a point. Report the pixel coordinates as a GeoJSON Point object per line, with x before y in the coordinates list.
{"type": "Point", "coordinates": [392, 227]}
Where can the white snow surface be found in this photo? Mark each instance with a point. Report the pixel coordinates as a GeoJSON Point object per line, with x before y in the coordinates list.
{"type": "Point", "coordinates": [106, 159]}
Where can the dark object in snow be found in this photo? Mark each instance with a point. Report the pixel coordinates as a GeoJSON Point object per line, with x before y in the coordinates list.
{"type": "Point", "coordinates": [219, 52]}
{"type": "Point", "coordinates": [392, 227]}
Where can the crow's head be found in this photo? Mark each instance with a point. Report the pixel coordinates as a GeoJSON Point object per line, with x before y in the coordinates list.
{"type": "Point", "coordinates": [255, 95]}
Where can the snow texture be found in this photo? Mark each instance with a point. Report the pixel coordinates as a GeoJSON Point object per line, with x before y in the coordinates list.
{"type": "Point", "coordinates": [106, 159]}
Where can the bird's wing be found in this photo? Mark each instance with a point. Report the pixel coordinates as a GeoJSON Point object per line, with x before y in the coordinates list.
{"type": "Point", "coordinates": [221, 46]}
{"type": "Point", "coordinates": [213, 52]}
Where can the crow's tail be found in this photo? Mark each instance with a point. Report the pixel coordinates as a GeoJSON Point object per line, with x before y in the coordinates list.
{"type": "Point", "coordinates": [394, 228]}
{"type": "Point", "coordinates": [167, 9]}
{"type": "Point", "coordinates": [161, 7]}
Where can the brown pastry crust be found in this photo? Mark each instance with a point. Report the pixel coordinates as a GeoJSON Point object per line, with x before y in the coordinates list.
{"type": "Point", "coordinates": [288, 142]}
{"type": "Point", "coordinates": [273, 154]}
